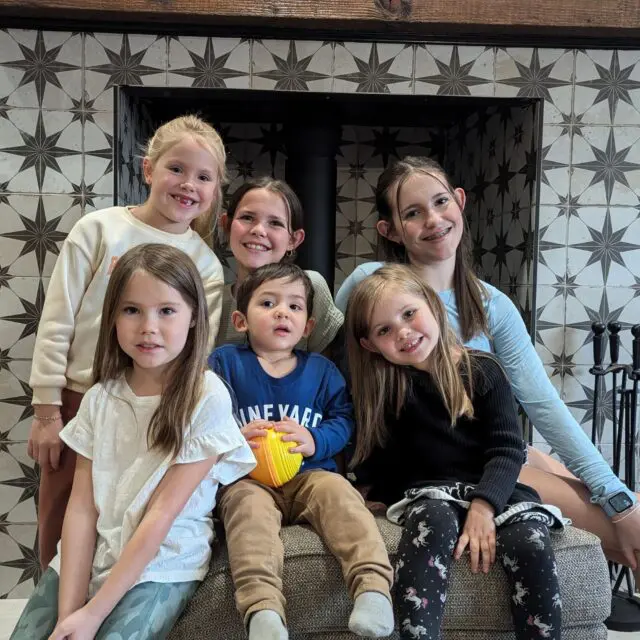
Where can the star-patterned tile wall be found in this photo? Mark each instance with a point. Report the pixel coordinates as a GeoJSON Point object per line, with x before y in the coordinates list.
{"type": "Point", "coordinates": [56, 140]}
{"type": "Point", "coordinates": [493, 154]}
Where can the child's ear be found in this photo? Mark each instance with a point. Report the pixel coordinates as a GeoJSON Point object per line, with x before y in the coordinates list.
{"type": "Point", "coordinates": [365, 343]}
{"type": "Point", "coordinates": [308, 328]}
{"type": "Point", "coordinates": [147, 169]}
{"type": "Point", "coordinates": [223, 221]}
{"type": "Point", "coordinates": [387, 230]}
{"type": "Point", "coordinates": [460, 196]}
{"type": "Point", "coordinates": [297, 237]}
{"type": "Point", "coordinates": [239, 322]}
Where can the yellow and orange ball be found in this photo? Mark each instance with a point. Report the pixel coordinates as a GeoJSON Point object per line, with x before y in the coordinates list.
{"type": "Point", "coordinates": [276, 465]}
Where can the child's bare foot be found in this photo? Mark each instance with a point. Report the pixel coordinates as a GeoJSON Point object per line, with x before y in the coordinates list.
{"type": "Point", "coordinates": [372, 616]}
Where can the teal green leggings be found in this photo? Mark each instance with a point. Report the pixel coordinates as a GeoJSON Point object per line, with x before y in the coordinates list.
{"type": "Point", "coordinates": [147, 611]}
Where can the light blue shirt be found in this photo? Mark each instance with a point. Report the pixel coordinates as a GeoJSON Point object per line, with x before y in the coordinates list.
{"type": "Point", "coordinates": [509, 340]}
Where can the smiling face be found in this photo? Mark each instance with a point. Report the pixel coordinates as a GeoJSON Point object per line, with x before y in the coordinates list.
{"type": "Point", "coordinates": [183, 183]}
{"type": "Point", "coordinates": [427, 218]}
{"type": "Point", "coordinates": [260, 232]}
{"type": "Point", "coordinates": [152, 323]}
{"type": "Point", "coordinates": [402, 329]}
{"type": "Point", "coordinates": [277, 315]}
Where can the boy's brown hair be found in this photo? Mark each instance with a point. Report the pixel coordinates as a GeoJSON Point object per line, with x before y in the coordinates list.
{"type": "Point", "coordinates": [268, 272]}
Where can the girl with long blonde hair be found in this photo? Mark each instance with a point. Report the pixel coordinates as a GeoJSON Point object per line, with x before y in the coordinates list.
{"type": "Point", "coordinates": [439, 439]}
{"type": "Point", "coordinates": [154, 438]}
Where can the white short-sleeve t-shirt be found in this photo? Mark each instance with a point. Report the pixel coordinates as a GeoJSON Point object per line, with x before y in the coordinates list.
{"type": "Point", "coordinates": [111, 430]}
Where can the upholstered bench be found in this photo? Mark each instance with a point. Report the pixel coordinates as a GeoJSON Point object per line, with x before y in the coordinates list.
{"type": "Point", "coordinates": [477, 606]}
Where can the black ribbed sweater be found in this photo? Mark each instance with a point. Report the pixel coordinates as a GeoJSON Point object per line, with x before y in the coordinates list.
{"type": "Point", "coordinates": [423, 448]}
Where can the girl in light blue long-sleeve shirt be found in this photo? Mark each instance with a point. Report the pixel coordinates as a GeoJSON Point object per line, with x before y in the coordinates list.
{"type": "Point", "coordinates": [421, 221]}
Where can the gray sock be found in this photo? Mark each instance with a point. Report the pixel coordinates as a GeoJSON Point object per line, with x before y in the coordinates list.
{"type": "Point", "coordinates": [267, 625]}
{"type": "Point", "coordinates": [372, 616]}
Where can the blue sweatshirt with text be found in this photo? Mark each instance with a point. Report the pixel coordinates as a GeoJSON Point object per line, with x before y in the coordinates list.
{"type": "Point", "coordinates": [314, 394]}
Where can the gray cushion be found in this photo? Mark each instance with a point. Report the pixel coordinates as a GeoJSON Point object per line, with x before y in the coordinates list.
{"type": "Point", "coordinates": [477, 608]}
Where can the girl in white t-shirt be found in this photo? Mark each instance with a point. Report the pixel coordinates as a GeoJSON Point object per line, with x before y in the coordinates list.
{"type": "Point", "coordinates": [184, 165]}
{"type": "Point", "coordinates": [154, 437]}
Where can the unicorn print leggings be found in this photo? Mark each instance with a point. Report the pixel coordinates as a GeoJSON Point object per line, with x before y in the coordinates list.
{"type": "Point", "coordinates": [425, 554]}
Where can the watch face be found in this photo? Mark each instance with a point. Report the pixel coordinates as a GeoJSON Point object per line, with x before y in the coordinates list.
{"type": "Point", "coordinates": [620, 502]}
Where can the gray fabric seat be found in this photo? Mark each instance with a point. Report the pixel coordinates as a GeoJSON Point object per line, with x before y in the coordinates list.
{"type": "Point", "coordinates": [318, 606]}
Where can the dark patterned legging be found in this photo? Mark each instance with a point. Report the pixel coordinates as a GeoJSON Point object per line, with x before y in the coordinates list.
{"type": "Point", "coordinates": [523, 548]}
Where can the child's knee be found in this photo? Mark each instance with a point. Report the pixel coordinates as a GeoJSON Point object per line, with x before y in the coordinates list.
{"type": "Point", "coordinates": [439, 514]}
{"type": "Point", "coordinates": [330, 488]}
{"type": "Point", "coordinates": [243, 495]}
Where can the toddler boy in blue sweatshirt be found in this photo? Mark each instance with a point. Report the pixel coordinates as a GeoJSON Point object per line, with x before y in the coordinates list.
{"type": "Point", "coordinates": [304, 396]}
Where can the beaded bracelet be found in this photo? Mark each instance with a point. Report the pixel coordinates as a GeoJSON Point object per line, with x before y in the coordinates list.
{"type": "Point", "coordinates": [47, 419]}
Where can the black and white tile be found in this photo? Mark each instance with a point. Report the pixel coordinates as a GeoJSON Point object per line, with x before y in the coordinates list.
{"type": "Point", "coordinates": [98, 157]}
{"type": "Point", "coordinates": [19, 567]}
{"type": "Point", "coordinates": [607, 89]}
{"type": "Point", "coordinates": [552, 245]}
{"type": "Point", "coordinates": [364, 67]}
{"type": "Point", "coordinates": [555, 162]}
{"type": "Point", "coordinates": [606, 166]}
{"type": "Point", "coordinates": [15, 396]}
{"type": "Point", "coordinates": [604, 247]}
{"type": "Point", "coordinates": [218, 63]}
{"type": "Point", "coordinates": [41, 69]}
{"type": "Point", "coordinates": [40, 151]}
{"type": "Point", "coordinates": [32, 229]}
{"type": "Point", "coordinates": [453, 70]}
{"type": "Point", "coordinates": [287, 65]}
{"type": "Point", "coordinates": [122, 59]}
{"type": "Point", "coordinates": [21, 304]}
{"type": "Point", "coordinates": [537, 73]}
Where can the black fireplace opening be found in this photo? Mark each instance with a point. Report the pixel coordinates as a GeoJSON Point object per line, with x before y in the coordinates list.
{"type": "Point", "coordinates": [331, 148]}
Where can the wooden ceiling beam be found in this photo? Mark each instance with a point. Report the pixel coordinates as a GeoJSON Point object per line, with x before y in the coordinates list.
{"type": "Point", "coordinates": [596, 18]}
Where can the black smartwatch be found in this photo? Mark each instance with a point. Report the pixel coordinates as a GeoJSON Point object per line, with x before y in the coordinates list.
{"type": "Point", "coordinates": [617, 503]}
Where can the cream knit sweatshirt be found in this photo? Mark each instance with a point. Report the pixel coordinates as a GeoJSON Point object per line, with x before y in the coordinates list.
{"type": "Point", "coordinates": [70, 321]}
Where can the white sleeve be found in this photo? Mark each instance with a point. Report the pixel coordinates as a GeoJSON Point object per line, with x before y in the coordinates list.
{"type": "Point", "coordinates": [213, 281]}
{"type": "Point", "coordinates": [215, 432]}
{"type": "Point", "coordinates": [78, 432]}
{"type": "Point", "coordinates": [70, 279]}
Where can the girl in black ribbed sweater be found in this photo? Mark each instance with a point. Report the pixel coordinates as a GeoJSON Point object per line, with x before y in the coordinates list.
{"type": "Point", "coordinates": [439, 437]}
